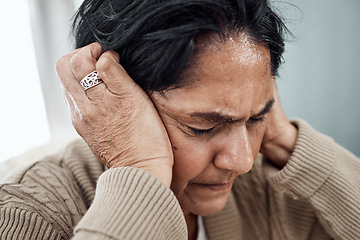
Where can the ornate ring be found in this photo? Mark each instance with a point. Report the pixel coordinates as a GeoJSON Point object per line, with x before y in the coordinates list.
{"type": "Point", "coordinates": [91, 80]}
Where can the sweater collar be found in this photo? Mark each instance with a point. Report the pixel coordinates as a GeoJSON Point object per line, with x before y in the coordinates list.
{"type": "Point", "coordinates": [225, 224]}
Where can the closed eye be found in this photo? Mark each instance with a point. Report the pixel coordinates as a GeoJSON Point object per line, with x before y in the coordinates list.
{"type": "Point", "coordinates": [254, 121]}
{"type": "Point", "coordinates": [206, 132]}
{"type": "Point", "coordinates": [202, 132]}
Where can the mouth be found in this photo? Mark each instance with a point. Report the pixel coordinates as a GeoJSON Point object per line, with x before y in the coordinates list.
{"type": "Point", "coordinates": [215, 187]}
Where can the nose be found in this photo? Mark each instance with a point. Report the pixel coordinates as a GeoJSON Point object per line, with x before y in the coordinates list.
{"type": "Point", "coordinates": [234, 151]}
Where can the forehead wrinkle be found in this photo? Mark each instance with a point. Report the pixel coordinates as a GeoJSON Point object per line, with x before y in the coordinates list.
{"type": "Point", "coordinates": [219, 118]}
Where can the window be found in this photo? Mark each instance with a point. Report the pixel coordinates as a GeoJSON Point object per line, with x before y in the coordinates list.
{"type": "Point", "coordinates": [23, 121]}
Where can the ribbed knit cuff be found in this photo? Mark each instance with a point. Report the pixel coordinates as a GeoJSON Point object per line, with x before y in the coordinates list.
{"type": "Point", "coordinates": [310, 164]}
{"type": "Point", "coordinates": [133, 204]}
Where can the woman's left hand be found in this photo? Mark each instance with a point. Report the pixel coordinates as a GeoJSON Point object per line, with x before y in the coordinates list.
{"type": "Point", "coordinates": [280, 135]}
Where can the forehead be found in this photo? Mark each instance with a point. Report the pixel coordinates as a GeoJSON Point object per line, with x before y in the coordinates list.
{"type": "Point", "coordinates": [240, 48]}
{"type": "Point", "coordinates": [222, 75]}
{"type": "Point", "coordinates": [233, 60]}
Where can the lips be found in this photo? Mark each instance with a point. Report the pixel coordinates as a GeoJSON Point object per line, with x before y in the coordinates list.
{"type": "Point", "coordinates": [214, 186]}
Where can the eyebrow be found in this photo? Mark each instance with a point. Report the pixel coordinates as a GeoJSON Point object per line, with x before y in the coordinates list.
{"type": "Point", "coordinates": [217, 117]}
{"type": "Point", "coordinates": [267, 108]}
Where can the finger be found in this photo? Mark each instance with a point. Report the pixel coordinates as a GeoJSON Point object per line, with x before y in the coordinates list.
{"type": "Point", "coordinates": [84, 61]}
{"type": "Point", "coordinates": [114, 75]}
{"type": "Point", "coordinates": [68, 100]}
{"type": "Point", "coordinates": [71, 88]}
{"type": "Point", "coordinates": [65, 75]}
{"type": "Point", "coordinates": [74, 109]}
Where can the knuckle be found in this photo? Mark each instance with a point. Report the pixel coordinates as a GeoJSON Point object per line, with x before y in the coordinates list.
{"type": "Point", "coordinates": [95, 47]}
{"type": "Point", "coordinates": [104, 63]}
{"type": "Point", "coordinates": [82, 62]}
{"type": "Point", "coordinates": [76, 62]}
{"type": "Point", "coordinates": [113, 54]}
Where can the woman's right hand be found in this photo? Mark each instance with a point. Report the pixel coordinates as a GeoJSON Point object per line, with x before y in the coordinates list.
{"type": "Point", "coordinates": [116, 119]}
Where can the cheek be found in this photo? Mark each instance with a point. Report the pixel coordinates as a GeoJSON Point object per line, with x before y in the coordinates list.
{"type": "Point", "coordinates": [191, 157]}
{"type": "Point", "coordinates": [256, 135]}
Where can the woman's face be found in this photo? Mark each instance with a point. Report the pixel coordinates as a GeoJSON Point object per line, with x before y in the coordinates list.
{"type": "Point", "coordinates": [216, 124]}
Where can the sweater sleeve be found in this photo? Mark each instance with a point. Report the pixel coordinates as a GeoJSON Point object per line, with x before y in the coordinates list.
{"type": "Point", "coordinates": [327, 176]}
{"type": "Point", "coordinates": [132, 204]}
{"type": "Point", "coordinates": [17, 223]}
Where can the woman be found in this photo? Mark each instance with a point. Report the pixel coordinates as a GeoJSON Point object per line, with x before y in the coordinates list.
{"type": "Point", "coordinates": [177, 98]}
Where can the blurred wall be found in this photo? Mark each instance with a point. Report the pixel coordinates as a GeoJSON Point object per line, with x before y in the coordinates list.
{"type": "Point", "coordinates": [51, 22]}
{"type": "Point", "coordinates": [320, 79]}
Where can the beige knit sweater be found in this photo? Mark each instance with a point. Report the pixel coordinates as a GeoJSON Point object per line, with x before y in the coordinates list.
{"type": "Point", "coordinates": [315, 196]}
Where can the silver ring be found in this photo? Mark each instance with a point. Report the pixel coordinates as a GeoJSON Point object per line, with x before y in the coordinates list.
{"type": "Point", "coordinates": [91, 80]}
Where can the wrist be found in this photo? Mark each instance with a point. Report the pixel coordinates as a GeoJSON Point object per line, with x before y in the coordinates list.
{"type": "Point", "coordinates": [155, 166]}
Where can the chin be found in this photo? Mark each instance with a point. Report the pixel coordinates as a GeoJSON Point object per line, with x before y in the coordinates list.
{"type": "Point", "coordinates": [209, 208]}
{"type": "Point", "coordinates": [205, 207]}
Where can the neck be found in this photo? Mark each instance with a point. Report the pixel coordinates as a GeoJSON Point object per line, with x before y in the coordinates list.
{"type": "Point", "coordinates": [192, 226]}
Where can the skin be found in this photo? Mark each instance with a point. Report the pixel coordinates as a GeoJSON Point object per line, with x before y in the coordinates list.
{"type": "Point", "coordinates": [232, 80]}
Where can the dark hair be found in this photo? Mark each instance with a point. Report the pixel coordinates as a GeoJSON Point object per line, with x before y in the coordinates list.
{"type": "Point", "coordinates": [156, 38]}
